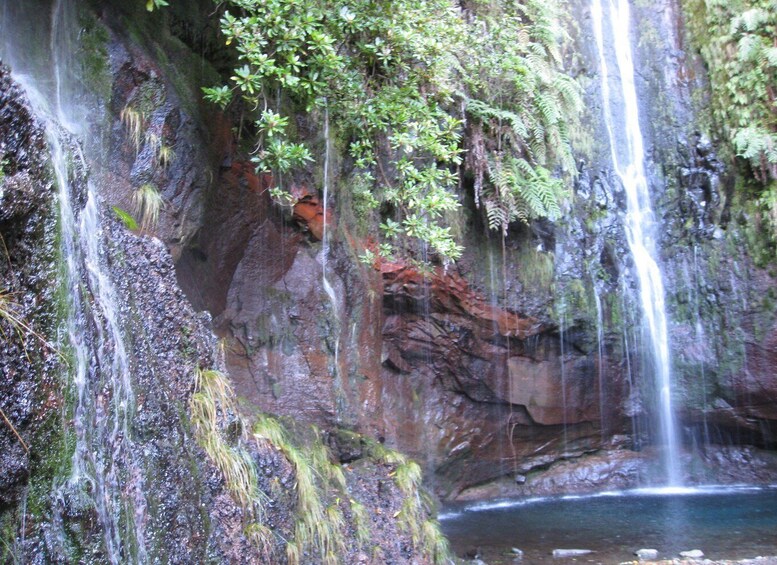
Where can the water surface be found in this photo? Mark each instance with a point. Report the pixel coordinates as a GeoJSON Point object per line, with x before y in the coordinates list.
{"type": "Point", "coordinates": [730, 523]}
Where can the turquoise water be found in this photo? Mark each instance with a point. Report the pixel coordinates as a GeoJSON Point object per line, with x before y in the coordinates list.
{"type": "Point", "coordinates": [730, 523]}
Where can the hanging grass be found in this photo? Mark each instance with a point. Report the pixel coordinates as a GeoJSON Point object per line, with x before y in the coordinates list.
{"type": "Point", "coordinates": [412, 516]}
{"type": "Point", "coordinates": [211, 406]}
{"type": "Point", "coordinates": [361, 520]}
{"type": "Point", "coordinates": [163, 154]}
{"type": "Point", "coordinates": [134, 121]}
{"type": "Point", "coordinates": [146, 205]}
{"type": "Point", "coordinates": [319, 527]}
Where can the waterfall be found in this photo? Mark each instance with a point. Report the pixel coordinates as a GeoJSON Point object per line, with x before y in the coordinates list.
{"type": "Point", "coordinates": [621, 114]}
{"type": "Point", "coordinates": [100, 376]}
{"type": "Point", "coordinates": [330, 291]}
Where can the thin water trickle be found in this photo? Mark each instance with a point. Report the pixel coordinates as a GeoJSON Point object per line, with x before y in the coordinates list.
{"type": "Point", "coordinates": [627, 348]}
{"type": "Point", "coordinates": [562, 345]}
{"type": "Point", "coordinates": [92, 334]}
{"type": "Point", "coordinates": [621, 114]}
{"type": "Point", "coordinates": [325, 237]}
{"type": "Point", "coordinates": [328, 289]}
{"type": "Point", "coordinates": [701, 339]}
{"type": "Point", "coordinates": [600, 360]}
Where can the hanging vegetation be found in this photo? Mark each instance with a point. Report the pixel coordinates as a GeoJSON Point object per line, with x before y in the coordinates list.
{"type": "Point", "coordinates": [400, 83]}
{"type": "Point", "coordinates": [738, 41]}
{"type": "Point", "coordinates": [519, 106]}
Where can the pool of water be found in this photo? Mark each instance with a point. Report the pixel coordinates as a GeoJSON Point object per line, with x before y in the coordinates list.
{"type": "Point", "coordinates": [725, 523]}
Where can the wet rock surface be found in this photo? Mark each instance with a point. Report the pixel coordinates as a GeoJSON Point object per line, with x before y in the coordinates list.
{"type": "Point", "coordinates": [478, 372]}
{"type": "Point", "coordinates": [29, 364]}
{"type": "Point", "coordinates": [490, 381]}
{"type": "Point", "coordinates": [623, 469]}
{"type": "Point", "coordinates": [495, 367]}
{"type": "Point", "coordinates": [183, 510]}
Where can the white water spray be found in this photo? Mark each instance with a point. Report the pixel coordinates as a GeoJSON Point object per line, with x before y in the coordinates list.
{"type": "Point", "coordinates": [628, 153]}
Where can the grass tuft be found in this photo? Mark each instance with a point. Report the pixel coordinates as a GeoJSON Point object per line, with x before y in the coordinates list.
{"type": "Point", "coordinates": [260, 536]}
{"type": "Point", "coordinates": [361, 520]}
{"type": "Point", "coordinates": [9, 311]}
{"type": "Point", "coordinates": [412, 517]}
{"type": "Point", "coordinates": [134, 120]}
{"type": "Point", "coordinates": [407, 477]}
{"type": "Point", "coordinates": [319, 527]}
{"type": "Point", "coordinates": [437, 546]}
{"type": "Point", "coordinates": [163, 154]}
{"type": "Point", "coordinates": [146, 205]}
{"type": "Point", "coordinates": [211, 405]}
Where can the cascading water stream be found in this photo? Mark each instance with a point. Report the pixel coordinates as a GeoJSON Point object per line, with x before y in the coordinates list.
{"type": "Point", "coordinates": [627, 151]}
{"type": "Point", "coordinates": [330, 291]}
{"type": "Point", "coordinates": [562, 346]}
{"type": "Point", "coordinates": [600, 360]}
{"type": "Point", "coordinates": [100, 368]}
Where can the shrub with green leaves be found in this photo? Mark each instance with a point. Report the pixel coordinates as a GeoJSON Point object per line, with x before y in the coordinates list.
{"type": "Point", "coordinates": [400, 83]}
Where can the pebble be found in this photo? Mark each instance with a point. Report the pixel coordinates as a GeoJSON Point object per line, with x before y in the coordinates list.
{"type": "Point", "coordinates": [570, 552]}
{"type": "Point", "coordinates": [692, 554]}
{"type": "Point", "coordinates": [646, 554]}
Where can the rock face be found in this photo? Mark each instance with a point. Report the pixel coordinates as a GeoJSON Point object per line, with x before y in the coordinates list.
{"type": "Point", "coordinates": [105, 464]}
{"type": "Point", "coordinates": [722, 315]}
{"type": "Point", "coordinates": [490, 381]}
{"type": "Point", "coordinates": [521, 356]}
{"type": "Point", "coordinates": [28, 364]}
{"type": "Point", "coordinates": [519, 365]}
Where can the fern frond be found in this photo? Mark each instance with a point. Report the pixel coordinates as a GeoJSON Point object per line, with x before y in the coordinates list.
{"type": "Point", "coordinates": [548, 106]}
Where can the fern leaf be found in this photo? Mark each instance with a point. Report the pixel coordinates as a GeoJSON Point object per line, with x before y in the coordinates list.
{"type": "Point", "coordinates": [770, 56]}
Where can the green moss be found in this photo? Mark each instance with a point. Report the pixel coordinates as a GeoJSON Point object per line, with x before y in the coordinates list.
{"type": "Point", "coordinates": [574, 297]}
{"type": "Point", "coordinates": [93, 55]}
{"type": "Point", "coordinates": [535, 269]}
{"type": "Point", "coordinates": [8, 521]}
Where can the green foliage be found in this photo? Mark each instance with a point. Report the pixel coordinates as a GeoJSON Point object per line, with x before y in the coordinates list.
{"type": "Point", "coordinates": [320, 526]}
{"type": "Point", "coordinates": [361, 520]}
{"type": "Point", "coordinates": [392, 79]}
{"type": "Point", "coordinates": [737, 40]}
{"type": "Point", "coordinates": [425, 533]}
{"type": "Point", "coordinates": [211, 404]}
{"type": "Point", "coordinates": [519, 106]}
{"type": "Point", "coordinates": [518, 191]}
{"type": "Point", "coordinates": [152, 4]}
{"type": "Point", "coordinates": [126, 218]}
{"type": "Point", "coordinates": [380, 70]}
